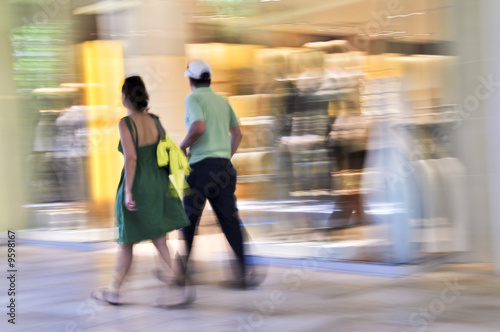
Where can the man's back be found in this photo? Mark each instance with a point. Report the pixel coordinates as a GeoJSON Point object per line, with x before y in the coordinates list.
{"type": "Point", "coordinates": [205, 105]}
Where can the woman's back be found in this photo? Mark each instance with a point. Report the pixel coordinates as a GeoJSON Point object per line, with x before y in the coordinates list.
{"type": "Point", "coordinates": [147, 130]}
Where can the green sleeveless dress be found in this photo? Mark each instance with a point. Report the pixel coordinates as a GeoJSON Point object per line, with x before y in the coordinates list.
{"type": "Point", "coordinates": [159, 208]}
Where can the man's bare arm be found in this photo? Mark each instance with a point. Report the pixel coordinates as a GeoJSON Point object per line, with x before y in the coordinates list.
{"type": "Point", "coordinates": [236, 136]}
{"type": "Point", "coordinates": [194, 133]}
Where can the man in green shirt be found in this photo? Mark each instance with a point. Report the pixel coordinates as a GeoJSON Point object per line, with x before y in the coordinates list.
{"type": "Point", "coordinates": [213, 137]}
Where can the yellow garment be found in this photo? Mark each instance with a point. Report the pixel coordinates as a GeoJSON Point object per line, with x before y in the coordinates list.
{"type": "Point", "coordinates": [168, 153]}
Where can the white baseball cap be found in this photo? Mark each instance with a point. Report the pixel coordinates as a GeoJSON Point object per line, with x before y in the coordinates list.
{"type": "Point", "coordinates": [196, 68]}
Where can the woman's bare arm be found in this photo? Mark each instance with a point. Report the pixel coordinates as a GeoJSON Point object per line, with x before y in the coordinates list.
{"type": "Point", "coordinates": [130, 156]}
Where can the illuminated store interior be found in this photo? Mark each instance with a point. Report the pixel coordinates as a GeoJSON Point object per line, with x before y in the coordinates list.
{"type": "Point", "coordinates": [359, 141]}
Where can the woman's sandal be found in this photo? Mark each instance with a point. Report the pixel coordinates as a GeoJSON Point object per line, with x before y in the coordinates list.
{"type": "Point", "coordinates": [186, 301]}
{"type": "Point", "coordinates": [179, 280]}
{"type": "Point", "coordinates": [105, 295]}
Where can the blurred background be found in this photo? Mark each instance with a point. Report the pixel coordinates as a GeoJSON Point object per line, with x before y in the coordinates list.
{"type": "Point", "coordinates": [370, 126]}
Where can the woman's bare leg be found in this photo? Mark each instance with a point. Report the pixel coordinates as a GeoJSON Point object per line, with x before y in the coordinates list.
{"type": "Point", "coordinates": [161, 245]}
{"type": "Point", "coordinates": [123, 261]}
{"type": "Point", "coordinates": [165, 259]}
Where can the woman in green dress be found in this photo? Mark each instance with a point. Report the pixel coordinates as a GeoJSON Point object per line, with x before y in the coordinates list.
{"type": "Point", "coordinates": [147, 205]}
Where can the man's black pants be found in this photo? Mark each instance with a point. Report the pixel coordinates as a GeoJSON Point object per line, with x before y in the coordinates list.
{"type": "Point", "coordinates": [214, 179]}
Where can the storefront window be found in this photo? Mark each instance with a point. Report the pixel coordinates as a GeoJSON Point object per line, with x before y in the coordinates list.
{"type": "Point", "coordinates": [347, 108]}
{"type": "Point", "coordinates": [346, 127]}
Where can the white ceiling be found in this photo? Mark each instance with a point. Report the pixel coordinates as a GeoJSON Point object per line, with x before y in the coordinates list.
{"type": "Point", "coordinates": [398, 20]}
{"type": "Point", "coordinates": [412, 20]}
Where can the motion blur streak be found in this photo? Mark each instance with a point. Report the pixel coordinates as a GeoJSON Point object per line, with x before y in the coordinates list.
{"type": "Point", "coordinates": [370, 147]}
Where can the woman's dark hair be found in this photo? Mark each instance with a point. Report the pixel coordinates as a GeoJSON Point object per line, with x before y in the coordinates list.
{"type": "Point", "coordinates": [136, 93]}
{"type": "Point", "coordinates": [203, 81]}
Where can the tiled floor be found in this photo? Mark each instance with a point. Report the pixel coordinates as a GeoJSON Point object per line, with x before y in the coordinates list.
{"type": "Point", "coordinates": [54, 284]}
